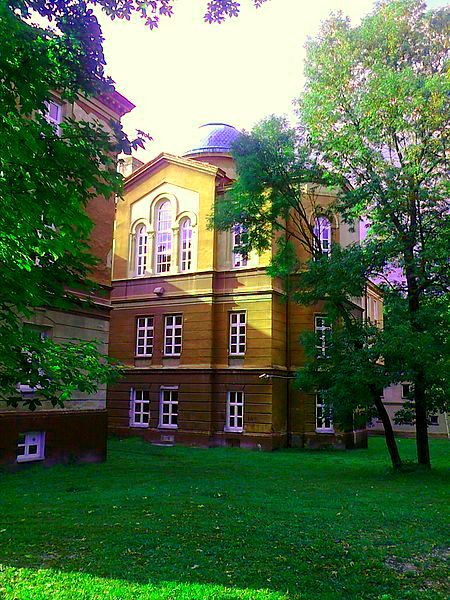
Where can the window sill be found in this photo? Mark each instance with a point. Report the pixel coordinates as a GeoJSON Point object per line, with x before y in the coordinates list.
{"type": "Point", "coordinates": [140, 425]}
{"type": "Point", "coordinates": [325, 430]}
{"type": "Point", "coordinates": [138, 356]}
{"type": "Point", "coordinates": [167, 426]}
{"type": "Point", "coordinates": [21, 459]}
{"type": "Point", "coordinates": [233, 430]}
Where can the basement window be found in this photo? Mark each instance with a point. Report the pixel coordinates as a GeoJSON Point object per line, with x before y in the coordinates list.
{"type": "Point", "coordinates": [31, 446]}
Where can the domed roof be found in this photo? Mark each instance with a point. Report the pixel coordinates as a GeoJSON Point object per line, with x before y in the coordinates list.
{"type": "Point", "coordinates": [213, 138]}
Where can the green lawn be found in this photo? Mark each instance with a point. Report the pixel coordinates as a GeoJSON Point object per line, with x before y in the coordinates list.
{"type": "Point", "coordinates": [179, 524]}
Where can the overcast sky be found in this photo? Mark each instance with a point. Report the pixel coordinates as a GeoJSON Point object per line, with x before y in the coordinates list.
{"type": "Point", "coordinates": [187, 72]}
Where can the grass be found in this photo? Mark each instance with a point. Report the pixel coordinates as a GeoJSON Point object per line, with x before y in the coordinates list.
{"type": "Point", "coordinates": [189, 524]}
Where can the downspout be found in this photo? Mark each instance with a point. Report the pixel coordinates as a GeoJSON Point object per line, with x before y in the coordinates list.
{"type": "Point", "coordinates": [288, 353]}
{"type": "Point", "coordinates": [288, 365]}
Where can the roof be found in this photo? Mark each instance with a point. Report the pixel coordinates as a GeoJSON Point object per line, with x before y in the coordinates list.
{"type": "Point", "coordinates": [213, 138]}
{"type": "Point", "coordinates": [164, 157]}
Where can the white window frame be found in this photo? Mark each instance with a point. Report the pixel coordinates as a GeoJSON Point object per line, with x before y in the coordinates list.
{"type": "Point", "coordinates": [163, 241]}
{"type": "Point", "coordinates": [186, 233]}
{"type": "Point", "coordinates": [25, 388]}
{"type": "Point", "coordinates": [55, 122]}
{"type": "Point", "coordinates": [321, 330]}
{"type": "Point", "coordinates": [141, 249]}
{"type": "Point", "coordinates": [32, 438]}
{"type": "Point", "coordinates": [324, 423]}
{"type": "Point", "coordinates": [322, 230]}
{"type": "Point", "coordinates": [235, 421]}
{"type": "Point", "coordinates": [173, 335]}
{"type": "Point", "coordinates": [139, 408]}
{"type": "Point", "coordinates": [144, 336]}
{"type": "Point", "coordinates": [433, 420]}
{"type": "Point", "coordinates": [237, 333]}
{"type": "Point", "coordinates": [239, 260]}
{"type": "Point", "coordinates": [166, 399]}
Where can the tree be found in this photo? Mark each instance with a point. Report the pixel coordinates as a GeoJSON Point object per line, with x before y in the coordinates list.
{"type": "Point", "coordinates": [47, 180]}
{"type": "Point", "coordinates": [275, 199]}
{"type": "Point", "coordinates": [376, 109]}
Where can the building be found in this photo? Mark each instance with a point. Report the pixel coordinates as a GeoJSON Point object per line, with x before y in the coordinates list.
{"type": "Point", "coordinates": [394, 397]}
{"type": "Point", "coordinates": [209, 342]}
{"type": "Point", "coordinates": [78, 431]}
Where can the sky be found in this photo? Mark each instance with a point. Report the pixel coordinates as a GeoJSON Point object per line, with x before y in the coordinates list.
{"type": "Point", "coordinates": [187, 72]}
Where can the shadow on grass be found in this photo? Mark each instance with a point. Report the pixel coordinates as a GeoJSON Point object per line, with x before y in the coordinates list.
{"type": "Point", "coordinates": [223, 522]}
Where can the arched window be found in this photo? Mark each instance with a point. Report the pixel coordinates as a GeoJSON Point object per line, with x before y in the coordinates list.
{"type": "Point", "coordinates": [185, 245]}
{"type": "Point", "coordinates": [141, 250]}
{"type": "Point", "coordinates": [322, 231]}
{"type": "Point", "coordinates": [163, 238]}
{"type": "Point", "coordinates": [239, 260]}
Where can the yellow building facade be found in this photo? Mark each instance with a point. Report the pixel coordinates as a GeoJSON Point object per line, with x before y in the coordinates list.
{"type": "Point", "coordinates": [207, 338]}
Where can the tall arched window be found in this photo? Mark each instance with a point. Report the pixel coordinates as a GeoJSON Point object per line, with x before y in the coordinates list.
{"type": "Point", "coordinates": [141, 250]}
{"type": "Point", "coordinates": [322, 231]}
{"type": "Point", "coordinates": [163, 238]}
{"type": "Point", "coordinates": [185, 245]}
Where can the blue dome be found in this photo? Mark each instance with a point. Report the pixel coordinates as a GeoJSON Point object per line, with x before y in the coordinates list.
{"type": "Point", "coordinates": [213, 138]}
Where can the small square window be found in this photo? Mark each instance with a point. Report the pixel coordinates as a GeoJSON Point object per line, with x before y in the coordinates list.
{"type": "Point", "coordinates": [406, 390]}
{"type": "Point", "coordinates": [31, 446]}
{"type": "Point", "coordinates": [433, 420]}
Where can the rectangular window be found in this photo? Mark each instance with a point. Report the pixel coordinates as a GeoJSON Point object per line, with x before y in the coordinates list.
{"type": "Point", "coordinates": [141, 250]}
{"type": "Point", "coordinates": [323, 334]}
{"type": "Point", "coordinates": [186, 245]}
{"type": "Point", "coordinates": [324, 422]}
{"type": "Point", "coordinates": [239, 260]}
{"type": "Point", "coordinates": [168, 408]}
{"type": "Point", "coordinates": [31, 446]}
{"type": "Point", "coordinates": [406, 390]}
{"type": "Point", "coordinates": [434, 420]}
{"type": "Point", "coordinates": [139, 408]}
{"type": "Point", "coordinates": [144, 336]}
{"type": "Point", "coordinates": [235, 412]}
{"type": "Point", "coordinates": [173, 327]}
{"type": "Point", "coordinates": [237, 333]}
{"type": "Point", "coordinates": [53, 115]}
{"type": "Point", "coordinates": [163, 251]}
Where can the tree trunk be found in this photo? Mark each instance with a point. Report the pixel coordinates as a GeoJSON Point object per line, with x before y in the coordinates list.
{"type": "Point", "coordinates": [420, 403]}
{"type": "Point", "coordinates": [391, 442]}
{"type": "Point", "coordinates": [423, 448]}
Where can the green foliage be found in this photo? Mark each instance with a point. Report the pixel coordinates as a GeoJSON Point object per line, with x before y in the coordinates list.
{"type": "Point", "coordinates": [232, 525]}
{"type": "Point", "coordinates": [274, 164]}
{"type": "Point", "coordinates": [276, 199]}
{"type": "Point", "coordinates": [46, 182]}
{"type": "Point", "coordinates": [376, 108]}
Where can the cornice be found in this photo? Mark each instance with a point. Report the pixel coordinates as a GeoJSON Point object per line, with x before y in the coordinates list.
{"type": "Point", "coordinates": [167, 158]}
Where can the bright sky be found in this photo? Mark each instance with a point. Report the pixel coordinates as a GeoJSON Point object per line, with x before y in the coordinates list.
{"type": "Point", "coordinates": [187, 72]}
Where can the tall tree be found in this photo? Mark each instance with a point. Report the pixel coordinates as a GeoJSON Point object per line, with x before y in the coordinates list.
{"type": "Point", "coordinates": [276, 201]}
{"type": "Point", "coordinates": [47, 180]}
{"type": "Point", "coordinates": [376, 107]}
